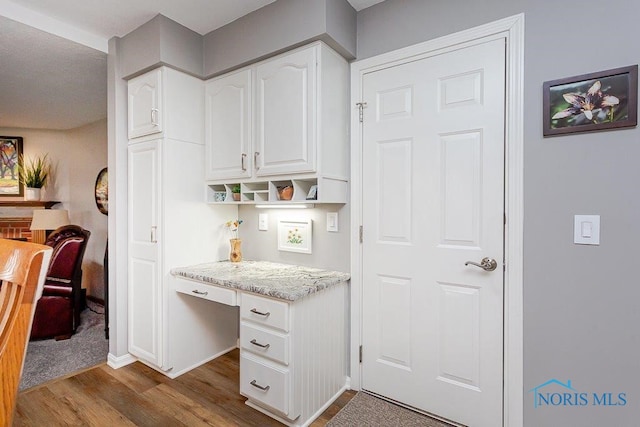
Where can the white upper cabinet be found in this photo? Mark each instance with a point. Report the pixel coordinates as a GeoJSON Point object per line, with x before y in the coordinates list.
{"type": "Point", "coordinates": [228, 126]}
{"type": "Point", "coordinates": [145, 104]}
{"type": "Point", "coordinates": [165, 103]}
{"type": "Point", "coordinates": [286, 114]}
{"type": "Point", "coordinates": [282, 121]}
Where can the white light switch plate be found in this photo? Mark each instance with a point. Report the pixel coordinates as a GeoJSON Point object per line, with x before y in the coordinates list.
{"type": "Point", "coordinates": [332, 222]}
{"type": "Point", "coordinates": [586, 230]}
{"type": "Point", "coordinates": [263, 222]}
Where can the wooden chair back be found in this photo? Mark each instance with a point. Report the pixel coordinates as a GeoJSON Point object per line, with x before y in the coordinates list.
{"type": "Point", "coordinates": [23, 267]}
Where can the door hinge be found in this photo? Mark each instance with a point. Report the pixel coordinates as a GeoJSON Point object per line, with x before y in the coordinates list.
{"type": "Point", "coordinates": [361, 106]}
{"type": "Point", "coordinates": [361, 233]}
{"type": "Point", "coordinates": [505, 219]}
{"type": "Point", "coordinates": [360, 354]}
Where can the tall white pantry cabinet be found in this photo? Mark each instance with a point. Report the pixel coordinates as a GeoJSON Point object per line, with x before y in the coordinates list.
{"type": "Point", "coordinates": [170, 226]}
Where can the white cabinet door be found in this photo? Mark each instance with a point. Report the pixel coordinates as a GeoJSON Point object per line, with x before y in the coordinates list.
{"type": "Point", "coordinates": [228, 127]}
{"type": "Point", "coordinates": [286, 114]}
{"type": "Point", "coordinates": [145, 104]}
{"type": "Point", "coordinates": [145, 297]}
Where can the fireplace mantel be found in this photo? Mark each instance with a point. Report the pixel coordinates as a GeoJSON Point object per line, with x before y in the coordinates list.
{"type": "Point", "coordinates": [25, 204]}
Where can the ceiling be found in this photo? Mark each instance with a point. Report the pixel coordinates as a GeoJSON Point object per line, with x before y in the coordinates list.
{"type": "Point", "coordinates": [53, 73]}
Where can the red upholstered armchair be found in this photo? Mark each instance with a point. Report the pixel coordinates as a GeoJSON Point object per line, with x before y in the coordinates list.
{"type": "Point", "coordinates": [58, 311]}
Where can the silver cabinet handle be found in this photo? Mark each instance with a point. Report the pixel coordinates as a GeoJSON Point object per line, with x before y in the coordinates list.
{"type": "Point", "coordinates": [487, 264]}
{"type": "Point", "coordinates": [244, 156]}
{"type": "Point", "coordinates": [153, 234]}
{"type": "Point", "coordinates": [256, 343]}
{"type": "Point", "coordinates": [154, 116]}
{"type": "Point", "coordinates": [255, 160]}
{"type": "Point", "coordinates": [255, 311]}
{"type": "Point", "coordinates": [195, 291]}
{"type": "Point", "coordinates": [258, 386]}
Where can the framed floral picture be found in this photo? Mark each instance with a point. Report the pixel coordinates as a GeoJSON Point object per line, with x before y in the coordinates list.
{"type": "Point", "coordinates": [591, 102]}
{"type": "Point", "coordinates": [295, 236]}
{"type": "Point", "coordinates": [10, 158]}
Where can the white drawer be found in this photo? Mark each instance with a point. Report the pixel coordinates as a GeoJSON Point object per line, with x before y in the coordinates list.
{"type": "Point", "coordinates": [266, 385]}
{"type": "Point", "coordinates": [208, 292]}
{"type": "Point", "coordinates": [263, 342]}
{"type": "Point", "coordinates": [265, 311]}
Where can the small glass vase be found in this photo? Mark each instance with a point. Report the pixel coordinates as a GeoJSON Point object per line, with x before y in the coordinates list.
{"type": "Point", "coordinates": [236, 250]}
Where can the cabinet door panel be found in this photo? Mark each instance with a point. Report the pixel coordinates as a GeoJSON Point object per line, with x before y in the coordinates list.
{"type": "Point", "coordinates": [144, 263]}
{"type": "Point", "coordinates": [145, 104]}
{"type": "Point", "coordinates": [228, 126]}
{"type": "Point", "coordinates": [286, 114]}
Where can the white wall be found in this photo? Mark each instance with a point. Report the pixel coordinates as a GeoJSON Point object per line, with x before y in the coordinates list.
{"type": "Point", "coordinates": [76, 156]}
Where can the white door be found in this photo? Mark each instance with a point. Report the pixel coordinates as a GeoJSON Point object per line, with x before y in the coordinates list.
{"type": "Point", "coordinates": [286, 113]}
{"type": "Point", "coordinates": [433, 174]}
{"type": "Point", "coordinates": [145, 104]}
{"type": "Point", "coordinates": [228, 126]}
{"type": "Point", "coordinates": [144, 284]}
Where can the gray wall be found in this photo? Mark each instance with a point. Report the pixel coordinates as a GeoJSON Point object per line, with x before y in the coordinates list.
{"type": "Point", "coordinates": [330, 250]}
{"type": "Point", "coordinates": [580, 302]}
{"type": "Point", "coordinates": [277, 27]}
{"type": "Point", "coordinates": [160, 41]}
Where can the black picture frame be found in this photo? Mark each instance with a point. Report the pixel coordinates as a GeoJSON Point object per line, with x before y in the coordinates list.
{"type": "Point", "coordinates": [102, 191]}
{"type": "Point", "coordinates": [591, 102]}
{"type": "Point", "coordinates": [10, 161]}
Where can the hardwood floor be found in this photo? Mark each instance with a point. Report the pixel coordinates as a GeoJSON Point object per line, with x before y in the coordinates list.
{"type": "Point", "coordinates": [136, 395]}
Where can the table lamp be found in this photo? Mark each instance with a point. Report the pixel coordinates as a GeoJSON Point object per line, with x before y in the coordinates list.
{"type": "Point", "coordinates": [47, 219]}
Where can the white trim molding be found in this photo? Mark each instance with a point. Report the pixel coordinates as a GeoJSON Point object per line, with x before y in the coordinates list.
{"type": "Point", "coordinates": [116, 362]}
{"type": "Point", "coordinates": [512, 30]}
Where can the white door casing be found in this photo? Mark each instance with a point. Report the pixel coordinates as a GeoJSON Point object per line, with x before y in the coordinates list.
{"type": "Point", "coordinates": [433, 149]}
{"type": "Point", "coordinates": [510, 30]}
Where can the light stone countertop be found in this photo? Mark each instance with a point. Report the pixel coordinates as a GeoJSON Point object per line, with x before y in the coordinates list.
{"type": "Point", "coordinates": [283, 281]}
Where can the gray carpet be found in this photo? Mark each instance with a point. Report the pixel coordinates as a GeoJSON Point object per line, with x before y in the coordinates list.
{"type": "Point", "coordinates": [48, 359]}
{"type": "Point", "coordinates": [367, 410]}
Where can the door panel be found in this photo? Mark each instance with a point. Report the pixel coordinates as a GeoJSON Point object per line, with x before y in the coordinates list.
{"type": "Point", "coordinates": [286, 109]}
{"type": "Point", "coordinates": [433, 168]}
{"type": "Point", "coordinates": [228, 127]}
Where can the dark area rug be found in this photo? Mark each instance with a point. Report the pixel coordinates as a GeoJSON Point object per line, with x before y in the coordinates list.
{"type": "Point", "coordinates": [49, 359]}
{"type": "Point", "coordinates": [367, 410]}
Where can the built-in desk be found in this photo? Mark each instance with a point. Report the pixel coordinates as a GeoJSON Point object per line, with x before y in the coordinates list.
{"type": "Point", "coordinates": [293, 331]}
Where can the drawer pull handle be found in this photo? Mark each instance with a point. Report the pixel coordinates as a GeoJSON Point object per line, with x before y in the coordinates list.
{"type": "Point", "coordinates": [254, 311]}
{"type": "Point", "coordinates": [258, 386]}
{"type": "Point", "coordinates": [195, 291]}
{"type": "Point", "coordinates": [265, 346]}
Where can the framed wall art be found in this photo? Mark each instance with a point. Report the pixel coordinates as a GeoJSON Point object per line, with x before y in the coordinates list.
{"type": "Point", "coordinates": [295, 236]}
{"type": "Point", "coordinates": [591, 102]}
{"type": "Point", "coordinates": [101, 191]}
{"type": "Point", "coordinates": [10, 158]}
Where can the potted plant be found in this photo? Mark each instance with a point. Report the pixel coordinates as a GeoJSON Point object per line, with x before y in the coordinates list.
{"type": "Point", "coordinates": [235, 190]}
{"type": "Point", "coordinates": [33, 175]}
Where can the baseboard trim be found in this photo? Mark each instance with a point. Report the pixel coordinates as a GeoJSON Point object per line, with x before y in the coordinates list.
{"type": "Point", "coordinates": [96, 300]}
{"type": "Point", "coordinates": [117, 362]}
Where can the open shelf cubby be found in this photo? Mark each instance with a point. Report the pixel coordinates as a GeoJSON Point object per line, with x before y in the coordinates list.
{"type": "Point", "coordinates": [326, 190]}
